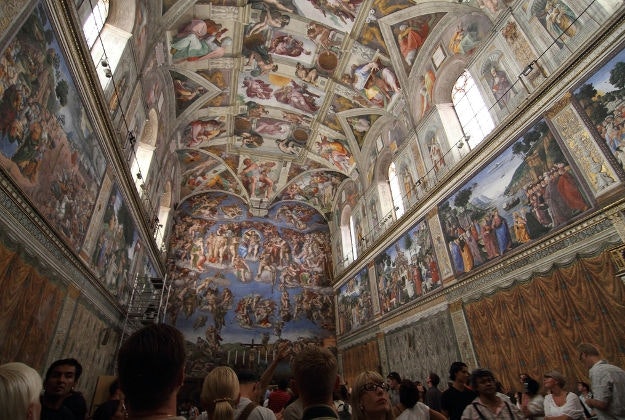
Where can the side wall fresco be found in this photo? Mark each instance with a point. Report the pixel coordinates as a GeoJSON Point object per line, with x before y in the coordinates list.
{"type": "Point", "coordinates": [509, 206]}
{"type": "Point", "coordinates": [46, 140]}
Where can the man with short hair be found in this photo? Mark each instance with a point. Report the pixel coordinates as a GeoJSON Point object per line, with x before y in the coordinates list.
{"type": "Point", "coordinates": [316, 375]}
{"type": "Point", "coordinates": [150, 366]}
{"type": "Point", "coordinates": [433, 395]}
{"type": "Point", "coordinates": [59, 400]}
{"type": "Point", "coordinates": [458, 395]}
{"type": "Point", "coordinates": [250, 390]}
{"type": "Point", "coordinates": [607, 383]}
{"type": "Point", "coordinates": [488, 405]}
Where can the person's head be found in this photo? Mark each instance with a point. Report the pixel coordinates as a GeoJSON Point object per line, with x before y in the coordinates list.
{"type": "Point", "coordinates": [420, 387]}
{"type": "Point", "coordinates": [588, 354]}
{"type": "Point", "coordinates": [393, 380]}
{"type": "Point", "coordinates": [408, 393]}
{"type": "Point", "coordinates": [20, 386]}
{"type": "Point", "coordinates": [61, 377]}
{"type": "Point", "coordinates": [370, 397]}
{"type": "Point", "coordinates": [554, 380]}
{"type": "Point", "coordinates": [459, 371]}
{"type": "Point", "coordinates": [433, 380]}
{"type": "Point", "coordinates": [115, 393]}
{"type": "Point", "coordinates": [319, 363]}
{"type": "Point", "coordinates": [583, 387]}
{"type": "Point", "coordinates": [532, 387]}
{"type": "Point", "coordinates": [483, 382]}
{"type": "Point", "coordinates": [220, 393]}
{"type": "Point", "coordinates": [248, 384]}
{"type": "Point", "coordinates": [283, 384]}
{"type": "Point", "coordinates": [150, 366]}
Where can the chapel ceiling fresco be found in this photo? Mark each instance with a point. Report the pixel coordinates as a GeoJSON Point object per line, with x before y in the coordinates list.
{"type": "Point", "coordinates": [275, 99]}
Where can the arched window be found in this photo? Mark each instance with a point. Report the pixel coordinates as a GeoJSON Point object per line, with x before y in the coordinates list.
{"type": "Point", "coordinates": [107, 28]}
{"type": "Point", "coordinates": [141, 158]}
{"type": "Point", "coordinates": [95, 20]}
{"type": "Point", "coordinates": [471, 109]}
{"type": "Point", "coordinates": [141, 166]}
{"type": "Point", "coordinates": [347, 245]}
{"type": "Point", "coordinates": [352, 233]}
{"type": "Point", "coordinates": [393, 182]}
{"type": "Point", "coordinates": [163, 216]}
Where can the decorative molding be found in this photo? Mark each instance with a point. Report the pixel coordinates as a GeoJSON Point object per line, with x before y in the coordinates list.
{"type": "Point", "coordinates": [420, 314]}
{"type": "Point", "coordinates": [559, 105]}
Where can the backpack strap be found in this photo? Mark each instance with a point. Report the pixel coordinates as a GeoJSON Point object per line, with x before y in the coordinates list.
{"type": "Point", "coordinates": [247, 411]}
{"type": "Point", "coordinates": [479, 413]}
{"type": "Point", "coordinates": [583, 403]}
{"type": "Point", "coordinates": [509, 409]}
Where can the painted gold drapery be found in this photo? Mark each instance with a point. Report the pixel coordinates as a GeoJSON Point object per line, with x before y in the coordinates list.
{"type": "Point", "coordinates": [357, 359]}
{"type": "Point", "coordinates": [29, 310]}
{"type": "Point", "coordinates": [534, 327]}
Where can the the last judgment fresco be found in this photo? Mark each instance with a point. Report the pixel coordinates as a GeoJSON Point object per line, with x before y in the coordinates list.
{"type": "Point", "coordinates": [244, 284]}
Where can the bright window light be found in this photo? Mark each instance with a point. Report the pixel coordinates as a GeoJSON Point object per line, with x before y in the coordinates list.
{"type": "Point", "coordinates": [471, 109]}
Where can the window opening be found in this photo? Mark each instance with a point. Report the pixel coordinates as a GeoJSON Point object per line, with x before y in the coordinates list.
{"type": "Point", "coordinates": [471, 109]}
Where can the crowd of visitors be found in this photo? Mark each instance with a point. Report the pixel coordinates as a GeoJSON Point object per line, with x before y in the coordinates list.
{"type": "Point", "coordinates": [150, 367]}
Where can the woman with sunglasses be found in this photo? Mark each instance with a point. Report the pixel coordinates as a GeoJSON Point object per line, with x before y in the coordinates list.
{"type": "Point", "coordinates": [370, 399]}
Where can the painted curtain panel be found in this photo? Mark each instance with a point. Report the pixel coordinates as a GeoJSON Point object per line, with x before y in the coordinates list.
{"type": "Point", "coordinates": [426, 345]}
{"type": "Point", "coordinates": [602, 98]}
{"type": "Point", "coordinates": [29, 302]}
{"type": "Point", "coordinates": [47, 144]}
{"type": "Point", "coordinates": [408, 269]}
{"type": "Point", "coordinates": [525, 192]}
{"type": "Point", "coordinates": [117, 245]}
{"type": "Point", "coordinates": [244, 285]}
{"type": "Point", "coordinates": [93, 343]}
{"type": "Point", "coordinates": [535, 326]}
{"type": "Point", "coordinates": [354, 303]}
{"type": "Point", "coordinates": [358, 359]}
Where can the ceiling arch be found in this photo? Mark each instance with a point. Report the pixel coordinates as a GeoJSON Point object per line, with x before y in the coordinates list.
{"type": "Point", "coordinates": [276, 100]}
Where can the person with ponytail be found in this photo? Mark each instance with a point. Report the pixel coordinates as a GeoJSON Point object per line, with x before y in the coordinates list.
{"type": "Point", "coordinates": [220, 394]}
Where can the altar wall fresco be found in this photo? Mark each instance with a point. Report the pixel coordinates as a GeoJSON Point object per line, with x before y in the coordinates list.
{"type": "Point", "coordinates": [240, 280]}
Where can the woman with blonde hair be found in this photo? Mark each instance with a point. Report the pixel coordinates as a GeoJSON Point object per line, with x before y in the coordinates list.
{"type": "Point", "coordinates": [220, 394]}
{"type": "Point", "coordinates": [20, 386]}
{"type": "Point", "coordinates": [370, 399]}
